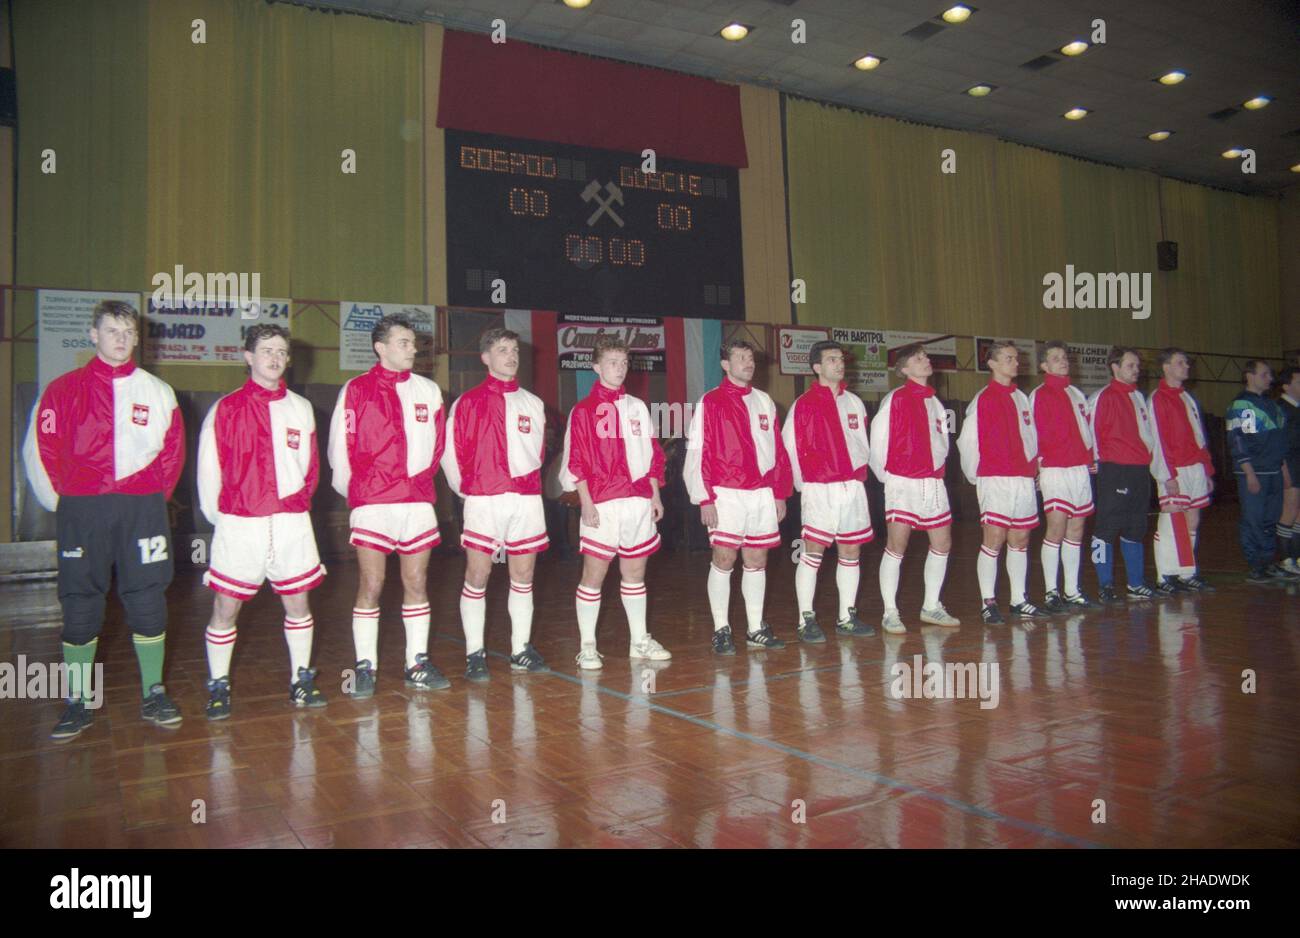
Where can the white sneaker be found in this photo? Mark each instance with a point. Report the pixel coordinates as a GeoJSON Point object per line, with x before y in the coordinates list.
{"type": "Point", "coordinates": [589, 659]}
{"type": "Point", "coordinates": [649, 648]}
{"type": "Point", "coordinates": [1291, 565]}
{"type": "Point", "coordinates": [892, 623]}
{"type": "Point", "coordinates": [937, 615]}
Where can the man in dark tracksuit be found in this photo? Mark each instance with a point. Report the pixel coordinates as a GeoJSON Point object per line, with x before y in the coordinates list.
{"type": "Point", "coordinates": [1257, 439]}
{"type": "Point", "coordinates": [1288, 526]}
{"type": "Point", "coordinates": [104, 451]}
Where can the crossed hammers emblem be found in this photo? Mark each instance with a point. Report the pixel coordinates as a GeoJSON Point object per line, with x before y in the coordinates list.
{"type": "Point", "coordinates": [593, 192]}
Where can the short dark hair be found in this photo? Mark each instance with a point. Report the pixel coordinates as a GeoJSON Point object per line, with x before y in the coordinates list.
{"type": "Point", "coordinates": [1285, 376]}
{"type": "Point", "coordinates": [264, 330]}
{"type": "Point", "coordinates": [494, 335]}
{"type": "Point", "coordinates": [732, 344]}
{"type": "Point", "coordinates": [818, 348]}
{"type": "Point", "coordinates": [607, 342]}
{"type": "Point", "coordinates": [1049, 346]}
{"type": "Point", "coordinates": [998, 345]}
{"type": "Point", "coordinates": [1167, 355]}
{"type": "Point", "coordinates": [906, 354]}
{"type": "Point", "coordinates": [118, 310]}
{"type": "Point", "coordinates": [1117, 355]}
{"type": "Point", "coordinates": [1250, 368]}
{"type": "Point", "coordinates": [387, 324]}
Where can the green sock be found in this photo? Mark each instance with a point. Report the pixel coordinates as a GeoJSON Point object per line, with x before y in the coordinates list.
{"type": "Point", "coordinates": [149, 652]}
{"type": "Point", "coordinates": [78, 659]}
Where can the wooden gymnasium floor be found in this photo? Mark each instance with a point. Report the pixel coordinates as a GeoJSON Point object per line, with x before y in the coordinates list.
{"type": "Point", "coordinates": [1142, 708]}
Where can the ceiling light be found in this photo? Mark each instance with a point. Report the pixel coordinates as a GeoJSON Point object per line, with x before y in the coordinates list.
{"type": "Point", "coordinates": [867, 62]}
{"type": "Point", "coordinates": [1254, 104]}
{"type": "Point", "coordinates": [1159, 135]}
{"type": "Point", "coordinates": [1296, 168]}
{"type": "Point", "coordinates": [1172, 78]}
{"type": "Point", "coordinates": [1075, 113]}
{"type": "Point", "coordinates": [979, 91]}
{"type": "Point", "coordinates": [577, 4]}
{"type": "Point", "coordinates": [957, 14]}
{"type": "Point", "coordinates": [734, 31]}
{"type": "Point", "coordinates": [1078, 47]}
{"type": "Point", "coordinates": [1231, 154]}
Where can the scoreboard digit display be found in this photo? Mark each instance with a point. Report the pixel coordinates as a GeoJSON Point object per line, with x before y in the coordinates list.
{"type": "Point", "coordinates": [585, 231]}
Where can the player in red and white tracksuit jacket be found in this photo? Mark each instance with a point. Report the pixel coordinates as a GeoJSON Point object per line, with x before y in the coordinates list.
{"type": "Point", "coordinates": [615, 464]}
{"type": "Point", "coordinates": [104, 450]}
{"type": "Point", "coordinates": [386, 439]}
{"type": "Point", "coordinates": [825, 436]}
{"type": "Point", "coordinates": [494, 460]}
{"type": "Point", "coordinates": [257, 471]}
{"type": "Point", "coordinates": [738, 472]}
{"type": "Point", "coordinates": [909, 451]}
{"type": "Point", "coordinates": [999, 453]}
{"type": "Point", "coordinates": [1065, 466]}
{"type": "Point", "coordinates": [1122, 443]}
{"type": "Point", "coordinates": [1184, 473]}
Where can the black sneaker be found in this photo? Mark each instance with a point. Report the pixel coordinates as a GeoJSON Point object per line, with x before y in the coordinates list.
{"type": "Point", "coordinates": [304, 692]}
{"type": "Point", "coordinates": [1196, 583]}
{"type": "Point", "coordinates": [810, 631]}
{"type": "Point", "coordinates": [158, 708]}
{"type": "Point", "coordinates": [1109, 597]}
{"type": "Point", "coordinates": [1027, 610]}
{"type": "Point", "coordinates": [476, 667]}
{"type": "Point", "coordinates": [528, 660]}
{"type": "Point", "coordinates": [766, 638]}
{"type": "Point", "coordinates": [363, 680]}
{"type": "Point", "coordinates": [75, 719]}
{"type": "Point", "coordinates": [853, 625]}
{"type": "Point", "coordinates": [1053, 604]}
{"type": "Point", "coordinates": [1168, 587]}
{"type": "Point", "coordinates": [722, 643]}
{"type": "Point", "coordinates": [1259, 577]}
{"type": "Point", "coordinates": [1142, 593]}
{"type": "Point", "coordinates": [425, 675]}
{"type": "Point", "coordinates": [990, 613]}
{"type": "Point", "coordinates": [1076, 601]}
{"type": "Point", "coordinates": [218, 699]}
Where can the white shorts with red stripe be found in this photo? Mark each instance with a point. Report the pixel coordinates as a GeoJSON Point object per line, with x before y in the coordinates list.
{"type": "Point", "coordinates": [1194, 488]}
{"type": "Point", "coordinates": [248, 551]}
{"type": "Point", "coordinates": [510, 519]}
{"type": "Point", "coordinates": [746, 518]}
{"type": "Point", "coordinates": [1067, 490]}
{"type": "Point", "coordinates": [627, 529]}
{"type": "Point", "coordinates": [917, 503]}
{"type": "Point", "coordinates": [1007, 501]}
{"type": "Point", "coordinates": [405, 527]}
{"type": "Point", "coordinates": [835, 511]}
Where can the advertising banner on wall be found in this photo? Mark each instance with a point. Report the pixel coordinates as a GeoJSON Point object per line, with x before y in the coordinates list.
{"type": "Point", "coordinates": [793, 343]}
{"type": "Point", "coordinates": [63, 320]}
{"type": "Point", "coordinates": [200, 332]}
{"type": "Point", "coordinates": [576, 336]}
{"type": "Point", "coordinates": [357, 320]}
{"type": "Point", "coordinates": [872, 353]}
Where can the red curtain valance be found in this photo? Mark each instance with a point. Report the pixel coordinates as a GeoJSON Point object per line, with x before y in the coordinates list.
{"type": "Point", "coordinates": [515, 89]}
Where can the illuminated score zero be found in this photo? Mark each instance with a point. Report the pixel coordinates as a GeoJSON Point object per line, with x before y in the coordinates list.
{"type": "Point", "coordinates": [674, 217]}
{"type": "Point", "coordinates": [534, 202]}
{"type": "Point", "coordinates": [587, 251]}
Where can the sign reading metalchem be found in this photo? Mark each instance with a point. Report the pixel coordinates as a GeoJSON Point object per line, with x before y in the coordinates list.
{"type": "Point", "coordinates": [576, 336]}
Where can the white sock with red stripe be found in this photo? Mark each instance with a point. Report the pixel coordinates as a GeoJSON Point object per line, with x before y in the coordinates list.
{"type": "Point", "coordinates": [848, 574]}
{"type": "Point", "coordinates": [1051, 557]}
{"type": "Point", "coordinates": [416, 620]}
{"type": "Point", "coordinates": [588, 603]}
{"type": "Point", "coordinates": [1017, 572]}
{"type": "Point", "coordinates": [753, 587]}
{"type": "Point", "coordinates": [1071, 558]}
{"type": "Point", "coordinates": [221, 645]}
{"type": "Point", "coordinates": [986, 568]}
{"type": "Point", "coordinates": [473, 609]}
{"type": "Point", "coordinates": [890, 566]}
{"type": "Point", "coordinates": [805, 581]}
{"type": "Point", "coordinates": [297, 635]}
{"type": "Point", "coordinates": [936, 568]}
{"type": "Point", "coordinates": [365, 635]}
{"type": "Point", "coordinates": [719, 596]}
{"type": "Point", "coordinates": [634, 603]}
{"type": "Point", "coordinates": [520, 606]}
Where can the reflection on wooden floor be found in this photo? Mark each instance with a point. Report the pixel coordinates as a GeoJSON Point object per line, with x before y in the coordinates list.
{"type": "Point", "coordinates": [1140, 709]}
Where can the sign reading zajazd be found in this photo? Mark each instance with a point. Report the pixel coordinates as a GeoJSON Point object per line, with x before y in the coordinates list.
{"type": "Point", "coordinates": [204, 331]}
{"type": "Point", "coordinates": [793, 344]}
{"type": "Point", "coordinates": [872, 352]}
{"type": "Point", "coordinates": [357, 321]}
{"type": "Point", "coordinates": [576, 336]}
{"type": "Point", "coordinates": [63, 319]}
